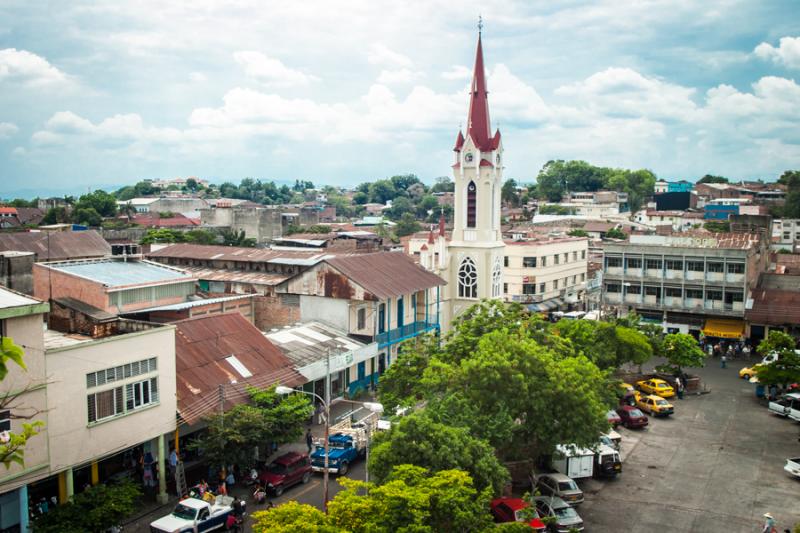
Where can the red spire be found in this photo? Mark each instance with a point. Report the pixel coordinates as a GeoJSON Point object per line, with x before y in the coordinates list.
{"type": "Point", "coordinates": [478, 125]}
{"type": "Point", "coordinates": [459, 142]}
{"type": "Point", "coordinates": [430, 236]}
{"type": "Point", "coordinates": [441, 225]}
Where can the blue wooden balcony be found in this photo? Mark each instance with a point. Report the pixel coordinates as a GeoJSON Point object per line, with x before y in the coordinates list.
{"type": "Point", "coordinates": [402, 333]}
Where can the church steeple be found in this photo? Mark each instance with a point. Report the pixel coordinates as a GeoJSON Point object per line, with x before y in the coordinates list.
{"type": "Point", "coordinates": [478, 125]}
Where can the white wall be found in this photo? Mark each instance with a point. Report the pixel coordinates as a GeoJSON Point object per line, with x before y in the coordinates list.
{"type": "Point", "coordinates": [333, 311]}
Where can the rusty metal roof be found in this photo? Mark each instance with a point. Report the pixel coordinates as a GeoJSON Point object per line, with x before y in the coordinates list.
{"type": "Point", "coordinates": [774, 307]}
{"type": "Point", "coordinates": [230, 253]}
{"type": "Point", "coordinates": [224, 350]}
{"type": "Point", "coordinates": [57, 245]}
{"type": "Point", "coordinates": [238, 276]}
{"type": "Point", "coordinates": [386, 274]}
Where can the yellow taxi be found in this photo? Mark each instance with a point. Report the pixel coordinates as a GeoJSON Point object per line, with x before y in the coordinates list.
{"type": "Point", "coordinates": [656, 386]}
{"type": "Point", "coordinates": [655, 405]}
{"type": "Point", "coordinates": [748, 371]}
{"type": "Point", "coordinates": [625, 389]}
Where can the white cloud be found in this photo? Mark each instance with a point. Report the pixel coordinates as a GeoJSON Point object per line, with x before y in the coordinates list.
{"type": "Point", "coordinates": [457, 72]}
{"type": "Point", "coordinates": [403, 75]}
{"type": "Point", "coordinates": [197, 77]}
{"type": "Point", "coordinates": [270, 71]}
{"type": "Point", "coordinates": [787, 53]}
{"type": "Point", "coordinates": [19, 151]}
{"type": "Point", "coordinates": [29, 69]}
{"type": "Point", "coordinates": [7, 130]}
{"type": "Point", "coordinates": [379, 54]}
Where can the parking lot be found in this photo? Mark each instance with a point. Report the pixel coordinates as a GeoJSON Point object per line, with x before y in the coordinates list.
{"type": "Point", "coordinates": [715, 465]}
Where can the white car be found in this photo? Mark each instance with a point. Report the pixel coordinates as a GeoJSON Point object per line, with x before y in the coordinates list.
{"type": "Point", "coordinates": [793, 467]}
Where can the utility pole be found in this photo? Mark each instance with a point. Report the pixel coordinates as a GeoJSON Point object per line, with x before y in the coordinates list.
{"type": "Point", "coordinates": [325, 474]}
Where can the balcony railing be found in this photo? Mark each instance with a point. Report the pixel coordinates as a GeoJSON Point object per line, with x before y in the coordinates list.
{"type": "Point", "coordinates": [405, 332]}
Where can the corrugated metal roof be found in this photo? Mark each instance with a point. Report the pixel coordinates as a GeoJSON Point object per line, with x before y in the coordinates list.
{"type": "Point", "coordinates": [311, 342]}
{"type": "Point", "coordinates": [82, 307]}
{"type": "Point", "coordinates": [58, 245]}
{"type": "Point", "coordinates": [118, 273]}
{"type": "Point", "coordinates": [240, 276]}
{"type": "Point", "coordinates": [774, 307]}
{"type": "Point", "coordinates": [196, 303]}
{"type": "Point", "coordinates": [230, 253]}
{"type": "Point", "coordinates": [203, 347]}
{"type": "Point", "coordinates": [386, 274]}
{"type": "Point", "coordinates": [9, 298]}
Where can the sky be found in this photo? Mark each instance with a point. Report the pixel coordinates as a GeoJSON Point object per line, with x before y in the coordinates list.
{"type": "Point", "coordinates": [94, 94]}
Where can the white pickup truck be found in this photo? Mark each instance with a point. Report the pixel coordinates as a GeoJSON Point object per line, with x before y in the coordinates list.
{"type": "Point", "coordinates": [788, 405]}
{"type": "Point", "coordinates": [195, 516]}
{"type": "Point", "coordinates": [793, 467]}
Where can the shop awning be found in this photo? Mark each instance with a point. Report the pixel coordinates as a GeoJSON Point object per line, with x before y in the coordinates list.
{"type": "Point", "coordinates": [726, 329]}
{"type": "Point", "coordinates": [547, 305]}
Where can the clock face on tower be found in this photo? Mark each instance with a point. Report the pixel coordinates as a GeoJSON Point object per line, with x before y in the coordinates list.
{"type": "Point", "coordinates": [468, 157]}
{"type": "Point", "coordinates": [498, 159]}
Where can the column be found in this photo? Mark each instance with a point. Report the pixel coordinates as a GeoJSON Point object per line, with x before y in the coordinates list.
{"type": "Point", "coordinates": [70, 488]}
{"type": "Point", "coordinates": [162, 472]}
{"type": "Point", "coordinates": [22, 495]}
{"type": "Point", "coordinates": [95, 473]}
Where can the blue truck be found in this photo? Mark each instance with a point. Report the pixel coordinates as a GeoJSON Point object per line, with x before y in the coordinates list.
{"type": "Point", "coordinates": [346, 445]}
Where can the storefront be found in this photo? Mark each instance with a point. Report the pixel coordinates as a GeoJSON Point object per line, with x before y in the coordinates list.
{"type": "Point", "coordinates": [724, 329]}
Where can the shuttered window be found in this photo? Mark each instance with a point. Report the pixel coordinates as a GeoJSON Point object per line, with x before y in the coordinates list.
{"type": "Point", "coordinates": [105, 404]}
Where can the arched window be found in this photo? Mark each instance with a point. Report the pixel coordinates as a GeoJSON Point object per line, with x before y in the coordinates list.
{"type": "Point", "coordinates": [472, 204]}
{"type": "Point", "coordinates": [467, 279]}
{"type": "Point", "coordinates": [497, 278]}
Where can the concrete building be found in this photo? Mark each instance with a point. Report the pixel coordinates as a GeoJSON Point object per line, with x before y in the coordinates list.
{"type": "Point", "coordinates": [56, 245]}
{"type": "Point", "coordinates": [163, 204]}
{"type": "Point", "coordinates": [685, 281]}
{"type": "Point", "coordinates": [16, 271]}
{"type": "Point", "coordinates": [786, 234]}
{"type": "Point", "coordinates": [547, 274]}
{"type": "Point", "coordinates": [115, 285]}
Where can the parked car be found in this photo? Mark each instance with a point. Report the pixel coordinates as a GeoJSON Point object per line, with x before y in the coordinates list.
{"type": "Point", "coordinates": [612, 439]}
{"type": "Point", "coordinates": [655, 405]}
{"type": "Point", "coordinates": [566, 517]}
{"type": "Point", "coordinates": [787, 405]}
{"type": "Point", "coordinates": [560, 485]}
{"type": "Point", "coordinates": [748, 371]}
{"type": "Point", "coordinates": [613, 418]}
{"type": "Point", "coordinates": [607, 462]}
{"type": "Point", "coordinates": [793, 467]}
{"type": "Point", "coordinates": [514, 510]}
{"type": "Point", "coordinates": [625, 389]}
{"type": "Point", "coordinates": [287, 470]}
{"type": "Point", "coordinates": [632, 417]}
{"type": "Point", "coordinates": [192, 514]}
{"type": "Point", "coordinates": [656, 386]}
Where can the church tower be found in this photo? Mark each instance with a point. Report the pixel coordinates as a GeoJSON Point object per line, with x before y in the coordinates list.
{"type": "Point", "coordinates": [476, 249]}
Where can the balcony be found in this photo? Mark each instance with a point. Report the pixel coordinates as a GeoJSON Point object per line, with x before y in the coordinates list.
{"type": "Point", "coordinates": [613, 298]}
{"type": "Point", "coordinates": [402, 333]}
{"type": "Point", "coordinates": [734, 278]}
{"type": "Point", "coordinates": [695, 275]}
{"type": "Point", "coordinates": [674, 274]}
{"type": "Point", "coordinates": [614, 271]}
{"type": "Point", "coordinates": [714, 276]}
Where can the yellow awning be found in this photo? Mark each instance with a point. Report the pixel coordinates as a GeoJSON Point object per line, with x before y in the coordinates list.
{"type": "Point", "coordinates": [726, 329]}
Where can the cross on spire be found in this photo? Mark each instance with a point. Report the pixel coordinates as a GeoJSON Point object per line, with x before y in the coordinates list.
{"type": "Point", "coordinates": [480, 24]}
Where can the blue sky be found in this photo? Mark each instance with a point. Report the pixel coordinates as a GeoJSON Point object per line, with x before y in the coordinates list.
{"type": "Point", "coordinates": [99, 93]}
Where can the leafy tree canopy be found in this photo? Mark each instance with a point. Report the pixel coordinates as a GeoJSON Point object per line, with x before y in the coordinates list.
{"type": "Point", "coordinates": [607, 345]}
{"type": "Point", "coordinates": [94, 510]}
{"type": "Point", "coordinates": [615, 233]}
{"type": "Point", "coordinates": [443, 184]}
{"type": "Point", "coordinates": [718, 226]}
{"type": "Point", "coordinates": [578, 233]}
{"type": "Point", "coordinates": [708, 178]}
{"type": "Point", "coordinates": [103, 203]}
{"type": "Point", "coordinates": [407, 225]}
{"type": "Point", "coordinates": [681, 350]}
{"type": "Point", "coordinates": [87, 216]}
{"type": "Point", "coordinates": [787, 368]}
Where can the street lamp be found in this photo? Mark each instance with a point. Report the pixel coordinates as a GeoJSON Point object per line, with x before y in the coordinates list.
{"type": "Point", "coordinates": [280, 389]}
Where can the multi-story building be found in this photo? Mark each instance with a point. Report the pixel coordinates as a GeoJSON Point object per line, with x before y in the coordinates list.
{"type": "Point", "coordinates": [786, 233]}
{"type": "Point", "coordinates": [686, 281]}
{"type": "Point", "coordinates": [545, 273]}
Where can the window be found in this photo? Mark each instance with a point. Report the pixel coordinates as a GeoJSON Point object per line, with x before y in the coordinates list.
{"type": "Point", "coordinates": [735, 268]}
{"type": "Point", "coordinates": [505, 261]}
{"type": "Point", "coordinates": [541, 287]}
{"type": "Point", "coordinates": [714, 295]}
{"type": "Point", "coordinates": [613, 262]}
{"type": "Point", "coordinates": [529, 262]}
{"type": "Point", "coordinates": [467, 279]}
{"type": "Point", "coordinates": [574, 256]}
{"type": "Point", "coordinates": [583, 254]}
{"type": "Point", "coordinates": [787, 235]}
{"type": "Point", "coordinates": [362, 318]}
{"type": "Point", "coordinates": [695, 266]}
{"type": "Point", "coordinates": [566, 257]}
{"type": "Point", "coordinates": [715, 267]}
{"type": "Point", "coordinates": [652, 291]}
{"type": "Point", "coordinates": [583, 277]}
{"type": "Point", "coordinates": [734, 296]}
{"type": "Point", "coordinates": [633, 289]}
{"type": "Point", "coordinates": [634, 262]}
{"type": "Point", "coordinates": [110, 375]}
{"type": "Point", "coordinates": [694, 293]}
{"type": "Point", "coordinates": [555, 259]}
{"type": "Point", "coordinates": [141, 394]}
{"type": "Point", "coordinates": [673, 264]}
{"type": "Point", "coordinates": [472, 204]}
{"type": "Point", "coordinates": [497, 278]}
{"type": "Point", "coordinates": [544, 261]}
{"type": "Point", "coordinates": [613, 288]}
{"type": "Point", "coordinates": [105, 404]}
{"type": "Point", "coordinates": [5, 421]}
{"type": "Point", "coordinates": [652, 264]}
{"type": "Point", "coordinates": [505, 288]}
{"type": "Point", "coordinates": [555, 284]}
{"type": "Point", "coordinates": [574, 279]}
{"type": "Point", "coordinates": [673, 292]}
{"type": "Point", "coordinates": [528, 288]}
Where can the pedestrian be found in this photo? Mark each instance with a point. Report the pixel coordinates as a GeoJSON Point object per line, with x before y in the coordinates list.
{"type": "Point", "coordinates": [679, 387]}
{"type": "Point", "coordinates": [259, 495]}
{"type": "Point", "coordinates": [722, 360]}
{"type": "Point", "coordinates": [769, 524]}
{"type": "Point", "coordinates": [309, 440]}
{"type": "Point", "coordinates": [173, 461]}
{"type": "Point", "coordinates": [746, 351]}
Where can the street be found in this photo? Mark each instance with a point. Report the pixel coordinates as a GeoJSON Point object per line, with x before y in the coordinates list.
{"type": "Point", "coordinates": [716, 465]}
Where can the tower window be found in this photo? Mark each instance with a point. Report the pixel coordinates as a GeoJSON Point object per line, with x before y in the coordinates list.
{"type": "Point", "coordinates": [472, 204]}
{"type": "Point", "coordinates": [497, 278]}
{"type": "Point", "coordinates": [467, 279]}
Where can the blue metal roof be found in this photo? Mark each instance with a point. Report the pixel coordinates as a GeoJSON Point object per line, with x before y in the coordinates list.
{"type": "Point", "coordinates": [115, 273]}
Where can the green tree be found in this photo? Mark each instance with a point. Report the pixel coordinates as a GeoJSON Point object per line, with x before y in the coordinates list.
{"type": "Point", "coordinates": [293, 517]}
{"type": "Point", "coordinates": [443, 184]}
{"type": "Point", "coordinates": [56, 215]}
{"type": "Point", "coordinates": [94, 510]}
{"type": "Point", "coordinates": [615, 233]}
{"type": "Point", "coordinates": [417, 439]}
{"type": "Point", "coordinates": [426, 204]}
{"type": "Point", "coordinates": [639, 184]}
{"type": "Point", "coordinates": [200, 236]}
{"type": "Point", "coordinates": [509, 193]}
{"type": "Point", "coordinates": [12, 445]}
{"type": "Point", "coordinates": [412, 499]}
{"type": "Point", "coordinates": [103, 203]}
{"type": "Point", "coordinates": [234, 238]}
{"type": "Point", "coordinates": [681, 351]}
{"type": "Point", "coordinates": [192, 184]}
{"type": "Point", "coordinates": [791, 179]}
{"type": "Point", "coordinates": [407, 225]}
{"type": "Point", "coordinates": [787, 367]}
{"type": "Point", "coordinates": [87, 216]}
{"type": "Point", "coordinates": [708, 178]}
{"type": "Point", "coordinates": [401, 206]}
{"type": "Point", "coordinates": [403, 181]}
{"type": "Point", "coordinates": [607, 345]}
{"type": "Point", "coordinates": [382, 191]}
{"type": "Point", "coordinates": [558, 177]}
{"type": "Point", "coordinates": [233, 436]}
{"type": "Point", "coordinates": [578, 233]}
{"type": "Point", "coordinates": [319, 228]}
{"type": "Point", "coordinates": [718, 226]}
{"type": "Point", "coordinates": [162, 235]}
{"type": "Point", "coordinates": [360, 198]}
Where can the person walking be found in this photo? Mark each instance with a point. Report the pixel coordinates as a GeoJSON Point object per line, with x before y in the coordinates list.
{"type": "Point", "coordinates": [679, 387]}
{"type": "Point", "coordinates": [722, 360]}
{"type": "Point", "coordinates": [769, 524]}
{"type": "Point", "coordinates": [309, 440]}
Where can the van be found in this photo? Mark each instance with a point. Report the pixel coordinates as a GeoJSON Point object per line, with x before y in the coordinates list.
{"type": "Point", "coordinates": [607, 462]}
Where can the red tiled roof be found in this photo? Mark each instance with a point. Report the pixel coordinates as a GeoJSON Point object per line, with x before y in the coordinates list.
{"type": "Point", "coordinates": [459, 142]}
{"type": "Point", "coordinates": [385, 274]}
{"type": "Point", "coordinates": [485, 163]}
{"type": "Point", "coordinates": [202, 346]}
{"type": "Point", "coordinates": [8, 210]}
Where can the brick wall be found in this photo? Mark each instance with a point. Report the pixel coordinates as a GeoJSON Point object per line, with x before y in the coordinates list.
{"type": "Point", "coordinates": [49, 283]}
{"type": "Point", "coordinates": [276, 311]}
